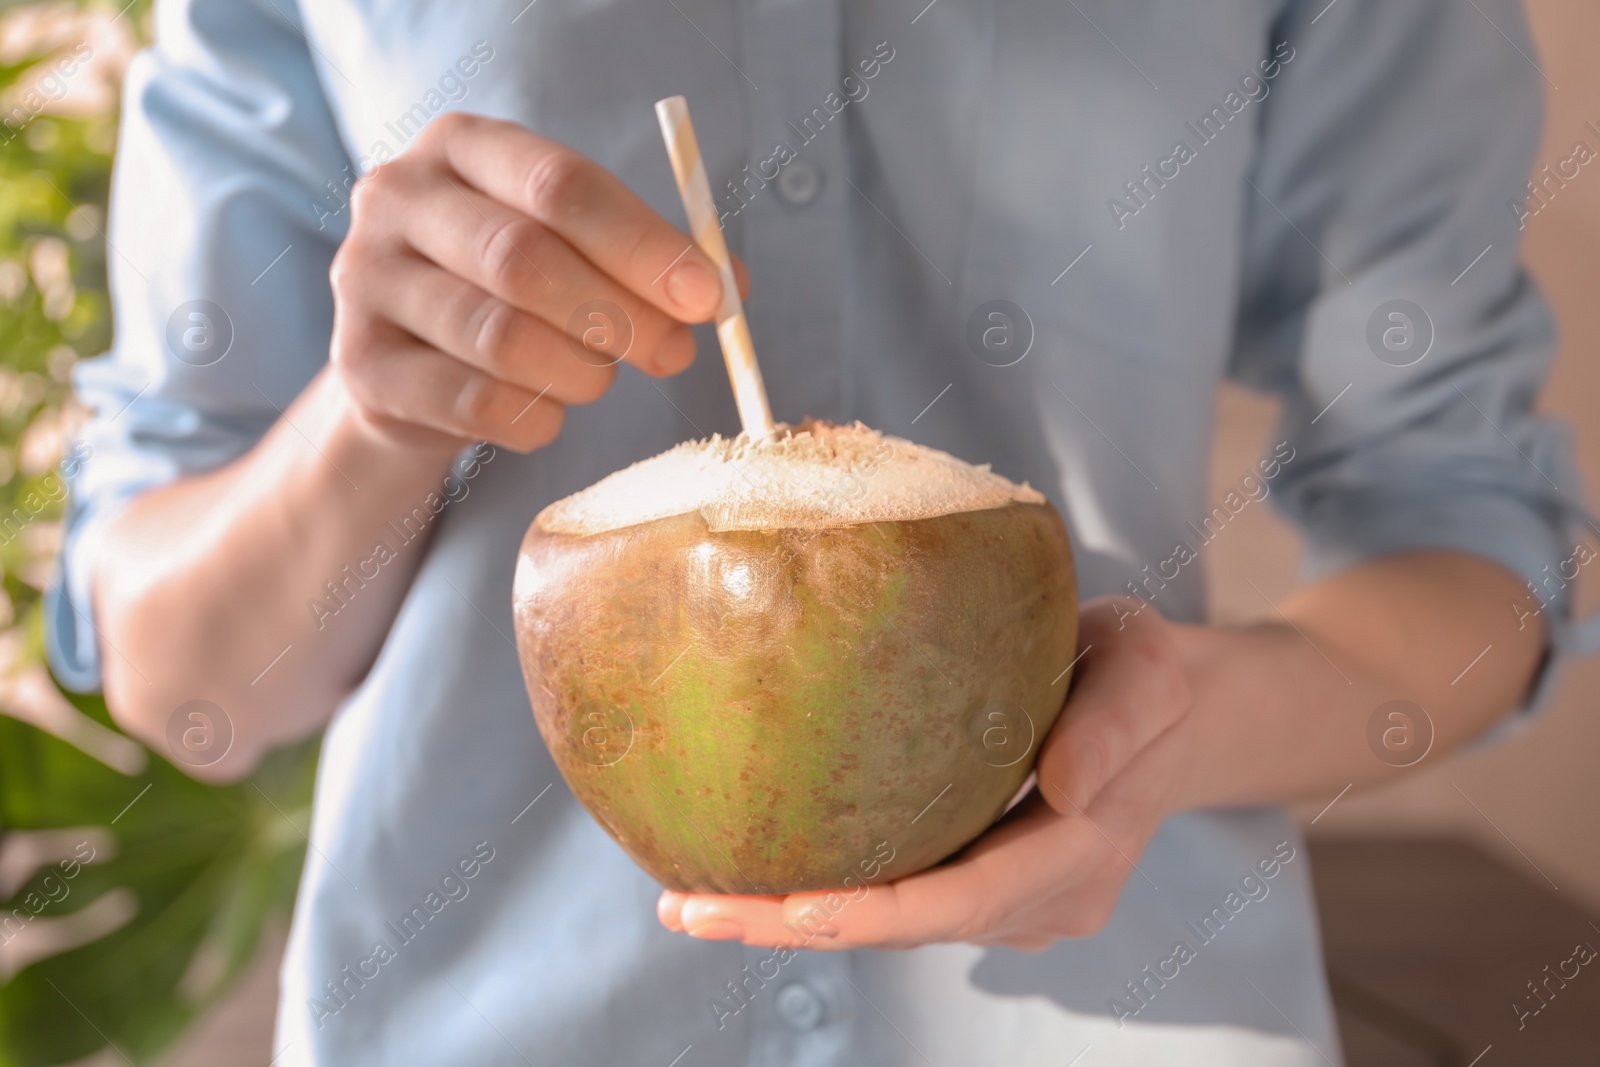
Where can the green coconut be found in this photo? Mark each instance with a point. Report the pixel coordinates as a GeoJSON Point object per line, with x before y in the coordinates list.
{"type": "Point", "coordinates": [816, 660]}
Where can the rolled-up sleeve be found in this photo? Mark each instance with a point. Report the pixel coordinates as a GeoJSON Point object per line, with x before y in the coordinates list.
{"type": "Point", "coordinates": [219, 256]}
{"type": "Point", "coordinates": [1383, 296]}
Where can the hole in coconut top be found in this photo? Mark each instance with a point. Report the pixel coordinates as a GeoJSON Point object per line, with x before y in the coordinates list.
{"type": "Point", "coordinates": [812, 476]}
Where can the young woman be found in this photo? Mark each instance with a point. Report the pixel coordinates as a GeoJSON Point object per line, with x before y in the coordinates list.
{"type": "Point", "coordinates": [349, 246]}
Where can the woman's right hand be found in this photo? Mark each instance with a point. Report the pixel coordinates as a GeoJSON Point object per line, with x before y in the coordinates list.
{"type": "Point", "coordinates": [474, 266]}
{"type": "Point", "coordinates": [478, 290]}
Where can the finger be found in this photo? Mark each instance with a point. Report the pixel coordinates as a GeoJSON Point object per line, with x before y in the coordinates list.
{"type": "Point", "coordinates": [1081, 911]}
{"type": "Point", "coordinates": [1081, 906]}
{"type": "Point", "coordinates": [529, 266]}
{"type": "Point", "coordinates": [1024, 942]}
{"type": "Point", "coordinates": [974, 896]}
{"type": "Point", "coordinates": [1130, 689]}
{"type": "Point", "coordinates": [483, 331]}
{"type": "Point", "coordinates": [719, 917]}
{"type": "Point", "coordinates": [1031, 856]}
{"type": "Point", "coordinates": [398, 378]}
{"type": "Point", "coordinates": [669, 909]}
{"type": "Point", "coordinates": [588, 206]}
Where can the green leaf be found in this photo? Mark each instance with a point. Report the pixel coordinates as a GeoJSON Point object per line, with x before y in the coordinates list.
{"type": "Point", "coordinates": [185, 876]}
{"type": "Point", "coordinates": [207, 867]}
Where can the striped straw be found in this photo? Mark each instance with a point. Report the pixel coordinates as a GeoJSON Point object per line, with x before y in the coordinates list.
{"type": "Point", "coordinates": [732, 328]}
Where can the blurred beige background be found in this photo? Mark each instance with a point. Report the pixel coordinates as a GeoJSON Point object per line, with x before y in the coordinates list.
{"type": "Point", "coordinates": [1541, 790]}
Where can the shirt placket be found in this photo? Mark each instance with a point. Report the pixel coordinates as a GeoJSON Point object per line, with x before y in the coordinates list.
{"type": "Point", "coordinates": [781, 201]}
{"type": "Point", "coordinates": [803, 1010]}
{"type": "Point", "coordinates": [783, 204]}
{"type": "Point", "coordinates": [784, 207]}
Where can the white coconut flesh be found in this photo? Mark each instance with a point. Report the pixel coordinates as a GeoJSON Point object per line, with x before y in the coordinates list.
{"type": "Point", "coordinates": [814, 476]}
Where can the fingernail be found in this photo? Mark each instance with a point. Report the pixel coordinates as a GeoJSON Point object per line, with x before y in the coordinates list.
{"type": "Point", "coordinates": [718, 930]}
{"type": "Point", "coordinates": [669, 909]}
{"type": "Point", "coordinates": [694, 287]}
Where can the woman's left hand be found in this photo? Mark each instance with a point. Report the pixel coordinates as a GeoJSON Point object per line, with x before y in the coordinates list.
{"type": "Point", "coordinates": [1054, 866]}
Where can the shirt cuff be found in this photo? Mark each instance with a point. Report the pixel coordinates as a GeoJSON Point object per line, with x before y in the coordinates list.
{"type": "Point", "coordinates": [71, 637]}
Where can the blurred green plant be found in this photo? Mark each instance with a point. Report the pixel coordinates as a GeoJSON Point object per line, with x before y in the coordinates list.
{"type": "Point", "coordinates": [130, 894]}
{"type": "Point", "coordinates": [200, 869]}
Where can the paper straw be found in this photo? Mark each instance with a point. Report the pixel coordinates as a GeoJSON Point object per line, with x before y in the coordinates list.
{"type": "Point", "coordinates": [733, 331]}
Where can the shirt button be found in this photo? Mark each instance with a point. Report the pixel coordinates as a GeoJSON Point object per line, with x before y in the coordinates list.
{"type": "Point", "coordinates": [799, 1006]}
{"type": "Point", "coordinates": [799, 183]}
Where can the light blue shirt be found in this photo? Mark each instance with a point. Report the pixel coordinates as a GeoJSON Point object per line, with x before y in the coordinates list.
{"type": "Point", "coordinates": [1317, 199]}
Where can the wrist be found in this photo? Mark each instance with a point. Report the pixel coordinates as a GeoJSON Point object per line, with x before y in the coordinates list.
{"type": "Point", "coordinates": [327, 456]}
{"type": "Point", "coordinates": [1230, 671]}
{"type": "Point", "coordinates": [372, 442]}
